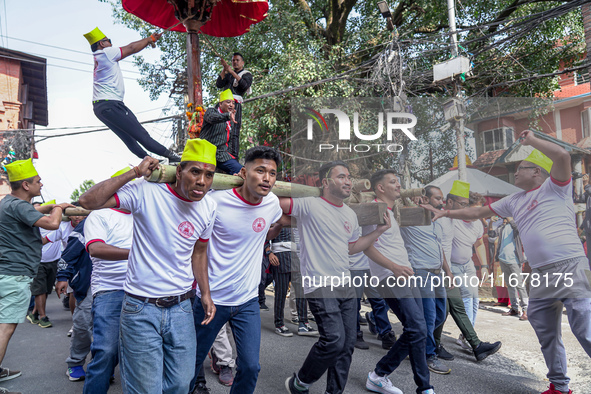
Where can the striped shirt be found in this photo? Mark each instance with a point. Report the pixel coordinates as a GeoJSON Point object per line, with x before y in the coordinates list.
{"type": "Point", "coordinates": [216, 129]}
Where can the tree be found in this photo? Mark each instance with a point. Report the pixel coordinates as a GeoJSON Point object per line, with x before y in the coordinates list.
{"type": "Point", "coordinates": [84, 186]}
{"type": "Point", "coordinates": [303, 41]}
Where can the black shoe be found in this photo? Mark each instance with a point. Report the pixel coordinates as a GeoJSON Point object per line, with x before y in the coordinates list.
{"type": "Point", "coordinates": [444, 354]}
{"type": "Point", "coordinates": [362, 320]}
{"type": "Point", "coordinates": [388, 340]}
{"type": "Point", "coordinates": [201, 388]}
{"type": "Point", "coordinates": [263, 307]}
{"type": "Point", "coordinates": [173, 158]}
{"type": "Point", "coordinates": [371, 324]}
{"type": "Point", "coordinates": [360, 343]}
{"type": "Point", "coordinates": [291, 388]}
{"type": "Point", "coordinates": [485, 349]}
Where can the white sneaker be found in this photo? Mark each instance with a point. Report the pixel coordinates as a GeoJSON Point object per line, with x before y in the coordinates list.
{"type": "Point", "coordinates": [429, 391]}
{"type": "Point", "coordinates": [461, 341]}
{"type": "Point", "coordinates": [69, 334]}
{"type": "Point", "coordinates": [379, 384]}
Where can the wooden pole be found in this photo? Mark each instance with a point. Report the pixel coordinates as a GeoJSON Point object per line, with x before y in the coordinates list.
{"type": "Point", "coordinates": [193, 66]}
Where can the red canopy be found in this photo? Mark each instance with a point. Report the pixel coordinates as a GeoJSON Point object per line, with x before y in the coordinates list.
{"type": "Point", "coordinates": [229, 18]}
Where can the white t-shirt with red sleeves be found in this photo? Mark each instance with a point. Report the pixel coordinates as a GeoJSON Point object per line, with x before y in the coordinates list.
{"type": "Point", "coordinates": [235, 250]}
{"type": "Point", "coordinates": [465, 235]}
{"type": "Point", "coordinates": [108, 80]}
{"type": "Point", "coordinates": [545, 218]}
{"type": "Point", "coordinates": [391, 245]}
{"type": "Point", "coordinates": [112, 227]}
{"type": "Point", "coordinates": [325, 232]}
{"type": "Point", "coordinates": [166, 228]}
{"type": "Point", "coordinates": [58, 239]}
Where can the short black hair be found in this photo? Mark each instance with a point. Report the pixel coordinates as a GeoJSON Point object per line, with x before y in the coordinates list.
{"type": "Point", "coordinates": [324, 171]}
{"type": "Point", "coordinates": [76, 203]}
{"type": "Point", "coordinates": [238, 54]}
{"type": "Point", "coordinates": [476, 198]}
{"type": "Point", "coordinates": [18, 184]}
{"type": "Point", "coordinates": [94, 47]}
{"type": "Point", "coordinates": [262, 152]}
{"type": "Point", "coordinates": [379, 175]}
{"type": "Point", "coordinates": [428, 192]}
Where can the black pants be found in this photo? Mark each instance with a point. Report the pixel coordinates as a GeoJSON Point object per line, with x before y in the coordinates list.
{"type": "Point", "coordinates": [333, 352]}
{"type": "Point", "coordinates": [116, 116]}
{"type": "Point", "coordinates": [266, 280]}
{"type": "Point", "coordinates": [282, 281]}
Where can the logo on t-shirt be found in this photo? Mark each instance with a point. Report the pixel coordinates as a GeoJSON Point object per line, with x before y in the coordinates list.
{"type": "Point", "coordinates": [186, 229]}
{"type": "Point", "coordinates": [348, 227]}
{"type": "Point", "coordinates": [533, 205]}
{"type": "Point", "coordinates": [259, 225]}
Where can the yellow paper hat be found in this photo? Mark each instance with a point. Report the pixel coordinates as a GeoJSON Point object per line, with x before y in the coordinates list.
{"type": "Point", "coordinates": [50, 202]}
{"type": "Point", "coordinates": [20, 169]}
{"type": "Point", "coordinates": [94, 36]}
{"type": "Point", "coordinates": [226, 95]}
{"type": "Point", "coordinates": [460, 189]}
{"type": "Point", "coordinates": [121, 171]}
{"type": "Point", "coordinates": [199, 150]}
{"type": "Point", "coordinates": [540, 159]}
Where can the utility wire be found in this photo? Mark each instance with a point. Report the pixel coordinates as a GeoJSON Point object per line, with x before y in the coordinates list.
{"type": "Point", "coordinates": [56, 47]}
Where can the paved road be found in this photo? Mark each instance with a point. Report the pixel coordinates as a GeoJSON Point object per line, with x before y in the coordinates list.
{"type": "Point", "coordinates": [518, 368]}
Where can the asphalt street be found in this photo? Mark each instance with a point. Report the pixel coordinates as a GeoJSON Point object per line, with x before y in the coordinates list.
{"type": "Point", "coordinates": [518, 368]}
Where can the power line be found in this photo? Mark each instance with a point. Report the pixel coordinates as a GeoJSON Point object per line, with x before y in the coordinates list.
{"type": "Point", "coordinates": [56, 47]}
{"type": "Point", "coordinates": [43, 138]}
{"type": "Point", "coordinates": [53, 65]}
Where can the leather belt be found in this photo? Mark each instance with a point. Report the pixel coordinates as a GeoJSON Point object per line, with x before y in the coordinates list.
{"type": "Point", "coordinates": [164, 302]}
{"type": "Point", "coordinates": [434, 272]}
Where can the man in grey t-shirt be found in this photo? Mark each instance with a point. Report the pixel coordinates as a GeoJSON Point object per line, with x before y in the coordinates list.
{"type": "Point", "coordinates": [20, 248]}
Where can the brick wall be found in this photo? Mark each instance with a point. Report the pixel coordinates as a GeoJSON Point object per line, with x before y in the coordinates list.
{"type": "Point", "coordinates": [10, 106]}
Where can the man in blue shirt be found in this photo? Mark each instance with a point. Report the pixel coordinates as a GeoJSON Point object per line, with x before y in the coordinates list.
{"type": "Point", "coordinates": [425, 253]}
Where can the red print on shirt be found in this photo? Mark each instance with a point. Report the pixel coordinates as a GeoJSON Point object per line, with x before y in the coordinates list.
{"type": "Point", "coordinates": [533, 205]}
{"type": "Point", "coordinates": [348, 227]}
{"type": "Point", "coordinates": [259, 225]}
{"type": "Point", "coordinates": [186, 229]}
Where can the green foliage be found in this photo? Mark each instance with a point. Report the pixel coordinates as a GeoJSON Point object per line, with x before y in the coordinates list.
{"type": "Point", "coordinates": [84, 186]}
{"type": "Point", "coordinates": [304, 41]}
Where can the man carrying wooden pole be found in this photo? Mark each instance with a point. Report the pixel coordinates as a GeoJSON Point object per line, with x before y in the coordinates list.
{"type": "Point", "coordinates": [329, 233]}
{"type": "Point", "coordinates": [171, 229]}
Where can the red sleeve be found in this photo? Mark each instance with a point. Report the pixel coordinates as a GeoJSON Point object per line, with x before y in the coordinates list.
{"type": "Point", "coordinates": [203, 240]}
{"type": "Point", "coordinates": [117, 199]}
{"type": "Point", "coordinates": [559, 183]}
{"type": "Point", "coordinates": [93, 241]}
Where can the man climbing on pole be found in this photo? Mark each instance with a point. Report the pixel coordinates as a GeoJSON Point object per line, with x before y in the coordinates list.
{"type": "Point", "coordinates": [108, 92]}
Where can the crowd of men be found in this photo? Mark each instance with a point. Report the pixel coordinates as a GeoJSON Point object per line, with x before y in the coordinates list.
{"type": "Point", "coordinates": [172, 265]}
{"type": "Point", "coordinates": [162, 272]}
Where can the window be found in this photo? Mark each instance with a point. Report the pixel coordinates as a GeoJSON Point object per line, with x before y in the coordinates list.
{"type": "Point", "coordinates": [496, 139]}
{"type": "Point", "coordinates": [581, 77]}
{"type": "Point", "coordinates": [586, 122]}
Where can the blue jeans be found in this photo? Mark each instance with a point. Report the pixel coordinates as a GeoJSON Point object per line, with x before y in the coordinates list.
{"type": "Point", "coordinates": [106, 314]}
{"type": "Point", "coordinates": [231, 166]}
{"type": "Point", "coordinates": [157, 347]}
{"type": "Point", "coordinates": [379, 309]}
{"type": "Point", "coordinates": [469, 293]}
{"type": "Point", "coordinates": [434, 306]}
{"type": "Point", "coordinates": [333, 352]}
{"type": "Point", "coordinates": [245, 321]}
{"type": "Point", "coordinates": [406, 304]}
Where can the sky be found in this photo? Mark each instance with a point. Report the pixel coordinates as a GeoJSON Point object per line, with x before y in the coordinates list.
{"type": "Point", "coordinates": [65, 162]}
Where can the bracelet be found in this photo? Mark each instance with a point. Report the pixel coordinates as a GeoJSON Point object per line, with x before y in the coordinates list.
{"type": "Point", "coordinates": [152, 38]}
{"type": "Point", "coordinates": [137, 172]}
